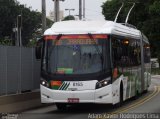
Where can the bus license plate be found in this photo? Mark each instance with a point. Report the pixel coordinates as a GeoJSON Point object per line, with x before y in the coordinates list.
{"type": "Point", "coordinates": [73, 100]}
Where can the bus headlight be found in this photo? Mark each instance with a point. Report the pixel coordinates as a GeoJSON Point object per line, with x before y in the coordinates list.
{"type": "Point", "coordinates": [102, 83]}
{"type": "Point", "coordinates": [45, 83]}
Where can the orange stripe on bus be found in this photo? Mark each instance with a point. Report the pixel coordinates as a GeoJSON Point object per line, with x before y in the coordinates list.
{"type": "Point", "coordinates": [84, 36]}
{"type": "Point", "coordinates": [56, 83]}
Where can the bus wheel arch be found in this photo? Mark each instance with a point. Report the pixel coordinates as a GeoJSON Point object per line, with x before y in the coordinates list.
{"type": "Point", "coordinates": [121, 94]}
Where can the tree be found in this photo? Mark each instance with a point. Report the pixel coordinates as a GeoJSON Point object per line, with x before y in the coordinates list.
{"type": "Point", "coordinates": [110, 8]}
{"type": "Point", "coordinates": [70, 17]}
{"type": "Point", "coordinates": [154, 11]}
{"type": "Point", "coordinates": [8, 12]}
{"type": "Point", "coordinates": [31, 21]}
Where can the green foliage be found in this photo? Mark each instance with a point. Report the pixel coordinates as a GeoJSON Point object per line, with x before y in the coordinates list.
{"type": "Point", "coordinates": [145, 16]}
{"type": "Point", "coordinates": [7, 17]}
{"type": "Point", "coordinates": [32, 43]}
{"type": "Point", "coordinates": [49, 23]}
{"type": "Point", "coordinates": [110, 8]}
{"type": "Point", "coordinates": [6, 41]}
{"type": "Point", "coordinates": [155, 8]}
{"type": "Point", "coordinates": [69, 18]}
{"type": "Point", "coordinates": [31, 21]}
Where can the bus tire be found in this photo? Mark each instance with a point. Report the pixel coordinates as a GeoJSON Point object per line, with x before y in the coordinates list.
{"type": "Point", "coordinates": [61, 106]}
{"type": "Point", "coordinates": [145, 91]}
{"type": "Point", "coordinates": [136, 95]}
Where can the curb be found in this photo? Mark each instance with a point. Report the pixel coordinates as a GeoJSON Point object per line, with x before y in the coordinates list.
{"type": "Point", "coordinates": [17, 103]}
{"type": "Point", "coordinates": [155, 76]}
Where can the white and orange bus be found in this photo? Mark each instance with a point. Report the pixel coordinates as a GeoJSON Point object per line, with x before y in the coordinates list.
{"type": "Point", "coordinates": [93, 62]}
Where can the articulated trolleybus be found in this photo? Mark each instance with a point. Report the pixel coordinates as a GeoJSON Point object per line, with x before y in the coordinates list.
{"type": "Point", "coordinates": [93, 62]}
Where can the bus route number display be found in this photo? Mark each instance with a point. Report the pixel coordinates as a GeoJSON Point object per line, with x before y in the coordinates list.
{"type": "Point", "coordinates": [75, 42]}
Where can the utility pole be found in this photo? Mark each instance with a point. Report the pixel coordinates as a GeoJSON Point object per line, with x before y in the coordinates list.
{"type": "Point", "coordinates": [84, 9]}
{"type": "Point", "coordinates": [80, 9]}
{"type": "Point", "coordinates": [56, 10]}
{"type": "Point", "coordinates": [19, 30]}
{"type": "Point", "coordinates": [43, 16]}
{"type": "Point", "coordinates": [17, 41]}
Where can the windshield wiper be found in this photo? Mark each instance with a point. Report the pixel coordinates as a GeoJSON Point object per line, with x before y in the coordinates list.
{"type": "Point", "coordinates": [98, 50]}
{"type": "Point", "coordinates": [49, 53]}
{"type": "Point", "coordinates": [56, 40]}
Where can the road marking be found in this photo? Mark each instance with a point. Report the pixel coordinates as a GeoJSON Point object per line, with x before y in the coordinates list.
{"type": "Point", "coordinates": [158, 88]}
{"type": "Point", "coordinates": [138, 103]}
{"type": "Point", "coordinates": [156, 92]}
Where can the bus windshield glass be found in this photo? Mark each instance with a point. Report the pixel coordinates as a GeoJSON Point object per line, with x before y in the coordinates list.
{"type": "Point", "coordinates": [76, 54]}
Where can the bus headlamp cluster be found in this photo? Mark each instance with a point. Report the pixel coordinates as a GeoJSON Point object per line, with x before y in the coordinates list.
{"type": "Point", "coordinates": [44, 83]}
{"type": "Point", "coordinates": [102, 83]}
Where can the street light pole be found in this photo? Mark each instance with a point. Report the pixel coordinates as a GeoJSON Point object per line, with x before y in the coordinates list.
{"type": "Point", "coordinates": [70, 11]}
{"type": "Point", "coordinates": [17, 43]}
{"type": "Point", "coordinates": [19, 28]}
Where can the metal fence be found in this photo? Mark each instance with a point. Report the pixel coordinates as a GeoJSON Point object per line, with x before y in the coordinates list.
{"type": "Point", "coordinates": [19, 70]}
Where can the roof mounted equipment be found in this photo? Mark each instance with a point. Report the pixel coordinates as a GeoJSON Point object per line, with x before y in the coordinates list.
{"type": "Point", "coordinates": [118, 12]}
{"type": "Point", "coordinates": [129, 14]}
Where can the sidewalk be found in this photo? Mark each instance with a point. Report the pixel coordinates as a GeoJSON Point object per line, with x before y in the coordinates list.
{"type": "Point", "coordinates": [17, 103]}
{"type": "Point", "coordinates": [156, 76]}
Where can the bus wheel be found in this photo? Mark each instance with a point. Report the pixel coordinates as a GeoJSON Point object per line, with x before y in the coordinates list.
{"type": "Point", "coordinates": [61, 106]}
{"type": "Point", "coordinates": [136, 95]}
{"type": "Point", "coordinates": [146, 91]}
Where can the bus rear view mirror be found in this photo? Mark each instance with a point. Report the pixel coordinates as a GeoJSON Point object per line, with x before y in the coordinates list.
{"type": "Point", "coordinates": [38, 50]}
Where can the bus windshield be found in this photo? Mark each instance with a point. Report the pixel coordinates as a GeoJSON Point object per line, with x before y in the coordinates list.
{"type": "Point", "coordinates": [76, 54]}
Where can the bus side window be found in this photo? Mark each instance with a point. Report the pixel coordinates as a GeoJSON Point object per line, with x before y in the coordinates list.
{"type": "Point", "coordinates": [137, 53]}
{"type": "Point", "coordinates": [117, 51]}
{"type": "Point", "coordinates": [147, 56]}
{"type": "Point", "coordinates": [116, 56]}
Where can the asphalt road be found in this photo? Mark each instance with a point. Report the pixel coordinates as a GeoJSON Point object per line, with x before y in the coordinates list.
{"type": "Point", "coordinates": [142, 107]}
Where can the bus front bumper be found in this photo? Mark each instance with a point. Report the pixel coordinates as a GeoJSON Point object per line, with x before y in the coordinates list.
{"type": "Point", "coordinates": [102, 95]}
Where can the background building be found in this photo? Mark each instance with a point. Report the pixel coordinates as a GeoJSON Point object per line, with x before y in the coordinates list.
{"type": "Point", "coordinates": [51, 15]}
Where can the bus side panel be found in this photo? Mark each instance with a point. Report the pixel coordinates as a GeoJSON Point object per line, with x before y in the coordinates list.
{"type": "Point", "coordinates": [133, 75]}
{"type": "Point", "coordinates": [127, 59]}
